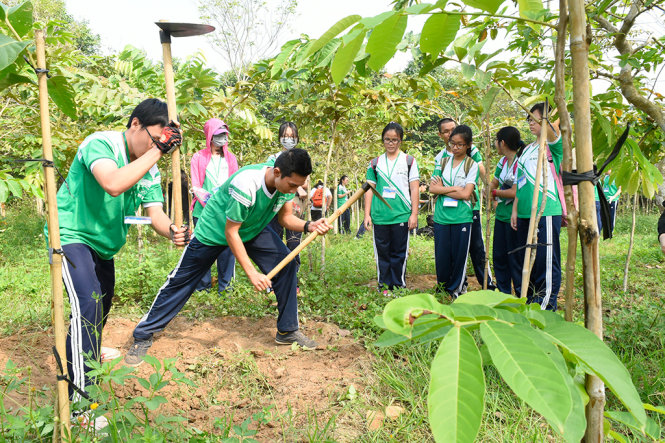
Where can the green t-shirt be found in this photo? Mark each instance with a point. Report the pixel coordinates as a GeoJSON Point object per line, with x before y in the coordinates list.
{"type": "Point", "coordinates": [475, 155]}
{"type": "Point", "coordinates": [243, 198]}
{"type": "Point", "coordinates": [505, 174]}
{"type": "Point", "coordinates": [392, 179]}
{"type": "Point", "coordinates": [217, 172]}
{"type": "Point", "coordinates": [610, 190]}
{"type": "Point", "coordinates": [86, 213]}
{"type": "Point", "coordinates": [526, 173]}
{"type": "Point", "coordinates": [341, 190]}
{"type": "Point", "coordinates": [449, 211]}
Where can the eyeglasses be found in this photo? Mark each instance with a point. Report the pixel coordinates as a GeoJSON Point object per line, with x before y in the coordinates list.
{"type": "Point", "coordinates": [154, 140]}
{"type": "Point", "coordinates": [391, 141]}
{"type": "Point", "coordinates": [458, 145]}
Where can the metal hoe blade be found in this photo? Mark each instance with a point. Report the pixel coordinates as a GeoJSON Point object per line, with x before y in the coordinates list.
{"type": "Point", "coordinates": [184, 29]}
{"type": "Point", "coordinates": [367, 186]}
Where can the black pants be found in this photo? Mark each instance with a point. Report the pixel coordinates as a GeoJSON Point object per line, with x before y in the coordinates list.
{"type": "Point", "coordinates": [391, 249]}
{"type": "Point", "coordinates": [345, 222]}
{"type": "Point", "coordinates": [477, 252]}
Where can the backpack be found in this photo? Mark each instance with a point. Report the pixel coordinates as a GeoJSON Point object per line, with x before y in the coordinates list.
{"type": "Point", "coordinates": [468, 163]}
{"type": "Point", "coordinates": [317, 198]}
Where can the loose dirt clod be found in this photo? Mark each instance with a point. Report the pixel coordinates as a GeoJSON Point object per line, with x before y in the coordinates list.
{"type": "Point", "coordinates": [374, 420]}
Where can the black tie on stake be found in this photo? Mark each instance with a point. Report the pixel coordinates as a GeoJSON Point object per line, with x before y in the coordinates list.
{"type": "Point", "coordinates": [574, 178]}
{"type": "Point", "coordinates": [61, 376]}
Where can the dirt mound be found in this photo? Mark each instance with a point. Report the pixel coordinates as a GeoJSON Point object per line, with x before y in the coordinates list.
{"type": "Point", "coordinates": [235, 363]}
{"type": "Point", "coordinates": [427, 282]}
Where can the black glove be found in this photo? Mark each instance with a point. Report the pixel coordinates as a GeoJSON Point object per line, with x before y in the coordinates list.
{"type": "Point", "coordinates": [170, 139]}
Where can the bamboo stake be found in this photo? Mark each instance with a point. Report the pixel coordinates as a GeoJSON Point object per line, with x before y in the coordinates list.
{"type": "Point", "coordinates": [531, 238]}
{"type": "Point", "coordinates": [588, 225]}
{"type": "Point", "coordinates": [53, 236]}
{"type": "Point", "coordinates": [630, 246]}
{"type": "Point", "coordinates": [567, 161]}
{"type": "Point", "coordinates": [325, 200]}
{"type": "Point", "coordinates": [173, 115]}
{"type": "Point", "coordinates": [488, 200]}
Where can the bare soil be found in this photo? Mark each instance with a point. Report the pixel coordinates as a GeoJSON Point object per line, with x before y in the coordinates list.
{"type": "Point", "coordinates": [238, 369]}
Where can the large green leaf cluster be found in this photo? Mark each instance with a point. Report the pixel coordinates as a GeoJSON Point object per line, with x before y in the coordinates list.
{"type": "Point", "coordinates": [541, 357]}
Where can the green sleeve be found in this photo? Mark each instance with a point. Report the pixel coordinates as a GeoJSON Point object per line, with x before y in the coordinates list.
{"type": "Point", "coordinates": [236, 211]}
{"type": "Point", "coordinates": [94, 150]}
{"type": "Point", "coordinates": [497, 171]}
{"type": "Point", "coordinates": [475, 155]}
{"type": "Point", "coordinates": [339, 192]}
{"type": "Point", "coordinates": [437, 170]}
{"type": "Point", "coordinates": [556, 148]}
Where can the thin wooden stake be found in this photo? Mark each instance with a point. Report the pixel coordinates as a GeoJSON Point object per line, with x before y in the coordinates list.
{"type": "Point", "coordinates": [531, 238]}
{"type": "Point", "coordinates": [630, 246]}
{"type": "Point", "coordinates": [53, 236]}
{"type": "Point", "coordinates": [588, 225]}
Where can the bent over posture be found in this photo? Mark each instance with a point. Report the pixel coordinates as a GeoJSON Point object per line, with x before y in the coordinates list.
{"type": "Point", "coordinates": [236, 217]}
{"type": "Point", "coordinates": [112, 174]}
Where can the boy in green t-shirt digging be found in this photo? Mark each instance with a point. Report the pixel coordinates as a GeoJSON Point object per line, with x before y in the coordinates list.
{"type": "Point", "coordinates": [112, 174]}
{"type": "Point", "coordinates": [236, 217]}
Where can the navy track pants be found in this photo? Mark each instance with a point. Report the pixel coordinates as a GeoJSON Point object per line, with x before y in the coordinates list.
{"type": "Point", "coordinates": [507, 268]}
{"type": "Point", "coordinates": [226, 265]}
{"type": "Point", "coordinates": [391, 249]}
{"type": "Point", "coordinates": [451, 250]}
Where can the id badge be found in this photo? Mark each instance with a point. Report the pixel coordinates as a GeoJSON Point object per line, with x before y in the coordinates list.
{"type": "Point", "coordinates": [449, 202]}
{"type": "Point", "coordinates": [521, 182]}
{"type": "Point", "coordinates": [389, 193]}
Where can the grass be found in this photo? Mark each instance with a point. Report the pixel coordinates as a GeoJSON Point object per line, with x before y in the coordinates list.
{"type": "Point", "coordinates": [634, 326]}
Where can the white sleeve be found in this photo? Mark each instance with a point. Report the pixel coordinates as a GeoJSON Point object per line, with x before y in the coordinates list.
{"type": "Point", "coordinates": [414, 174]}
{"type": "Point", "coordinates": [472, 176]}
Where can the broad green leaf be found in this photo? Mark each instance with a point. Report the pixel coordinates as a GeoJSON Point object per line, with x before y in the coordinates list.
{"type": "Point", "coordinates": [470, 312]}
{"type": "Point", "coordinates": [280, 60]}
{"type": "Point", "coordinates": [327, 53]}
{"type": "Point", "coordinates": [4, 192]}
{"type": "Point", "coordinates": [3, 11]}
{"type": "Point", "coordinates": [370, 22]}
{"type": "Point", "coordinates": [486, 5]}
{"type": "Point", "coordinates": [20, 17]}
{"type": "Point", "coordinates": [468, 71]}
{"type": "Point", "coordinates": [529, 372]}
{"type": "Point", "coordinates": [654, 408]}
{"type": "Point", "coordinates": [483, 78]}
{"type": "Point", "coordinates": [489, 97]}
{"type": "Point", "coordinates": [601, 361]}
{"type": "Point", "coordinates": [154, 402]}
{"type": "Point", "coordinates": [399, 314]}
{"type": "Point", "coordinates": [652, 429]}
{"type": "Point", "coordinates": [456, 398]}
{"type": "Point", "coordinates": [438, 32]}
{"type": "Point", "coordinates": [9, 50]}
{"type": "Point", "coordinates": [62, 95]}
{"type": "Point", "coordinates": [333, 32]}
{"type": "Point", "coordinates": [15, 188]}
{"type": "Point", "coordinates": [382, 42]}
{"type": "Point", "coordinates": [531, 9]}
{"type": "Point", "coordinates": [9, 77]}
{"type": "Point", "coordinates": [345, 56]}
{"type": "Point", "coordinates": [425, 329]}
{"type": "Point", "coordinates": [420, 8]}
{"type": "Point", "coordinates": [488, 298]}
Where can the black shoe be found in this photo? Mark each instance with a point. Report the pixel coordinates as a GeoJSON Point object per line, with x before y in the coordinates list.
{"type": "Point", "coordinates": [137, 351]}
{"type": "Point", "coordinates": [288, 338]}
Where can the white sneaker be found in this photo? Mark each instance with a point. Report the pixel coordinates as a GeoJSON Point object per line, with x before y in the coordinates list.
{"type": "Point", "coordinates": [96, 424]}
{"type": "Point", "coordinates": [109, 354]}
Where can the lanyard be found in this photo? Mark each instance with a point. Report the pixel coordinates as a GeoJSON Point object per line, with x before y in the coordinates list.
{"type": "Point", "coordinates": [452, 182]}
{"type": "Point", "coordinates": [390, 172]}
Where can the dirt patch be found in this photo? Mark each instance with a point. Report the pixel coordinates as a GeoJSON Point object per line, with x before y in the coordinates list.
{"type": "Point", "coordinates": [427, 282]}
{"type": "Point", "coordinates": [238, 368]}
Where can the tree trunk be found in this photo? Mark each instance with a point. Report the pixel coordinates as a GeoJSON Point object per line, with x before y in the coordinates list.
{"type": "Point", "coordinates": [630, 246]}
{"type": "Point", "coordinates": [567, 162]}
{"type": "Point", "coordinates": [325, 186]}
{"type": "Point", "coordinates": [588, 224]}
{"type": "Point", "coordinates": [488, 198]}
{"type": "Point", "coordinates": [3, 213]}
{"type": "Point", "coordinates": [39, 204]}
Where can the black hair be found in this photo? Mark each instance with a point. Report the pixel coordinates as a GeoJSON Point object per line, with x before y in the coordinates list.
{"type": "Point", "coordinates": [284, 126]}
{"type": "Point", "coordinates": [540, 107]}
{"type": "Point", "coordinates": [467, 135]}
{"type": "Point", "coordinates": [341, 179]}
{"type": "Point", "coordinates": [393, 126]}
{"type": "Point", "coordinates": [319, 183]}
{"type": "Point", "coordinates": [444, 120]}
{"type": "Point", "coordinates": [511, 137]}
{"type": "Point", "coordinates": [295, 160]}
{"type": "Point", "coordinates": [150, 112]}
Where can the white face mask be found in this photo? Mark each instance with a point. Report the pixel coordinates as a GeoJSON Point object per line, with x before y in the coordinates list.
{"type": "Point", "coordinates": [288, 142]}
{"type": "Point", "coordinates": [220, 139]}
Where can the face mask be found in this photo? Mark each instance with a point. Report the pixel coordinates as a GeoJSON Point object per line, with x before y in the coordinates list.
{"type": "Point", "coordinates": [220, 139]}
{"type": "Point", "coordinates": [288, 142]}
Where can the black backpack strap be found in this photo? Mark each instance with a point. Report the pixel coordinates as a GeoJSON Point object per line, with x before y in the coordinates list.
{"type": "Point", "coordinates": [409, 163]}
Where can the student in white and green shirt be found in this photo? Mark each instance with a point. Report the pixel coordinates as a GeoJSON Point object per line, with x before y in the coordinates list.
{"type": "Point", "coordinates": [454, 180]}
{"type": "Point", "coordinates": [342, 197]}
{"type": "Point", "coordinates": [476, 244]}
{"type": "Point", "coordinates": [395, 175]}
{"type": "Point", "coordinates": [546, 272]}
{"type": "Point", "coordinates": [507, 270]}
{"type": "Point", "coordinates": [235, 218]}
{"type": "Point", "coordinates": [112, 174]}
{"type": "Point", "coordinates": [612, 193]}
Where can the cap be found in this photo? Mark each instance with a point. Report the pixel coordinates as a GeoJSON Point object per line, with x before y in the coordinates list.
{"type": "Point", "coordinates": [221, 130]}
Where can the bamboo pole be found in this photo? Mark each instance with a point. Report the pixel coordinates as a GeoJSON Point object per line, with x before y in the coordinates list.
{"type": "Point", "coordinates": [531, 238]}
{"type": "Point", "coordinates": [53, 236]}
{"type": "Point", "coordinates": [588, 225]}
{"type": "Point", "coordinates": [567, 161]}
{"type": "Point", "coordinates": [310, 238]}
{"type": "Point", "coordinates": [173, 115]}
{"type": "Point", "coordinates": [630, 245]}
{"type": "Point", "coordinates": [325, 200]}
